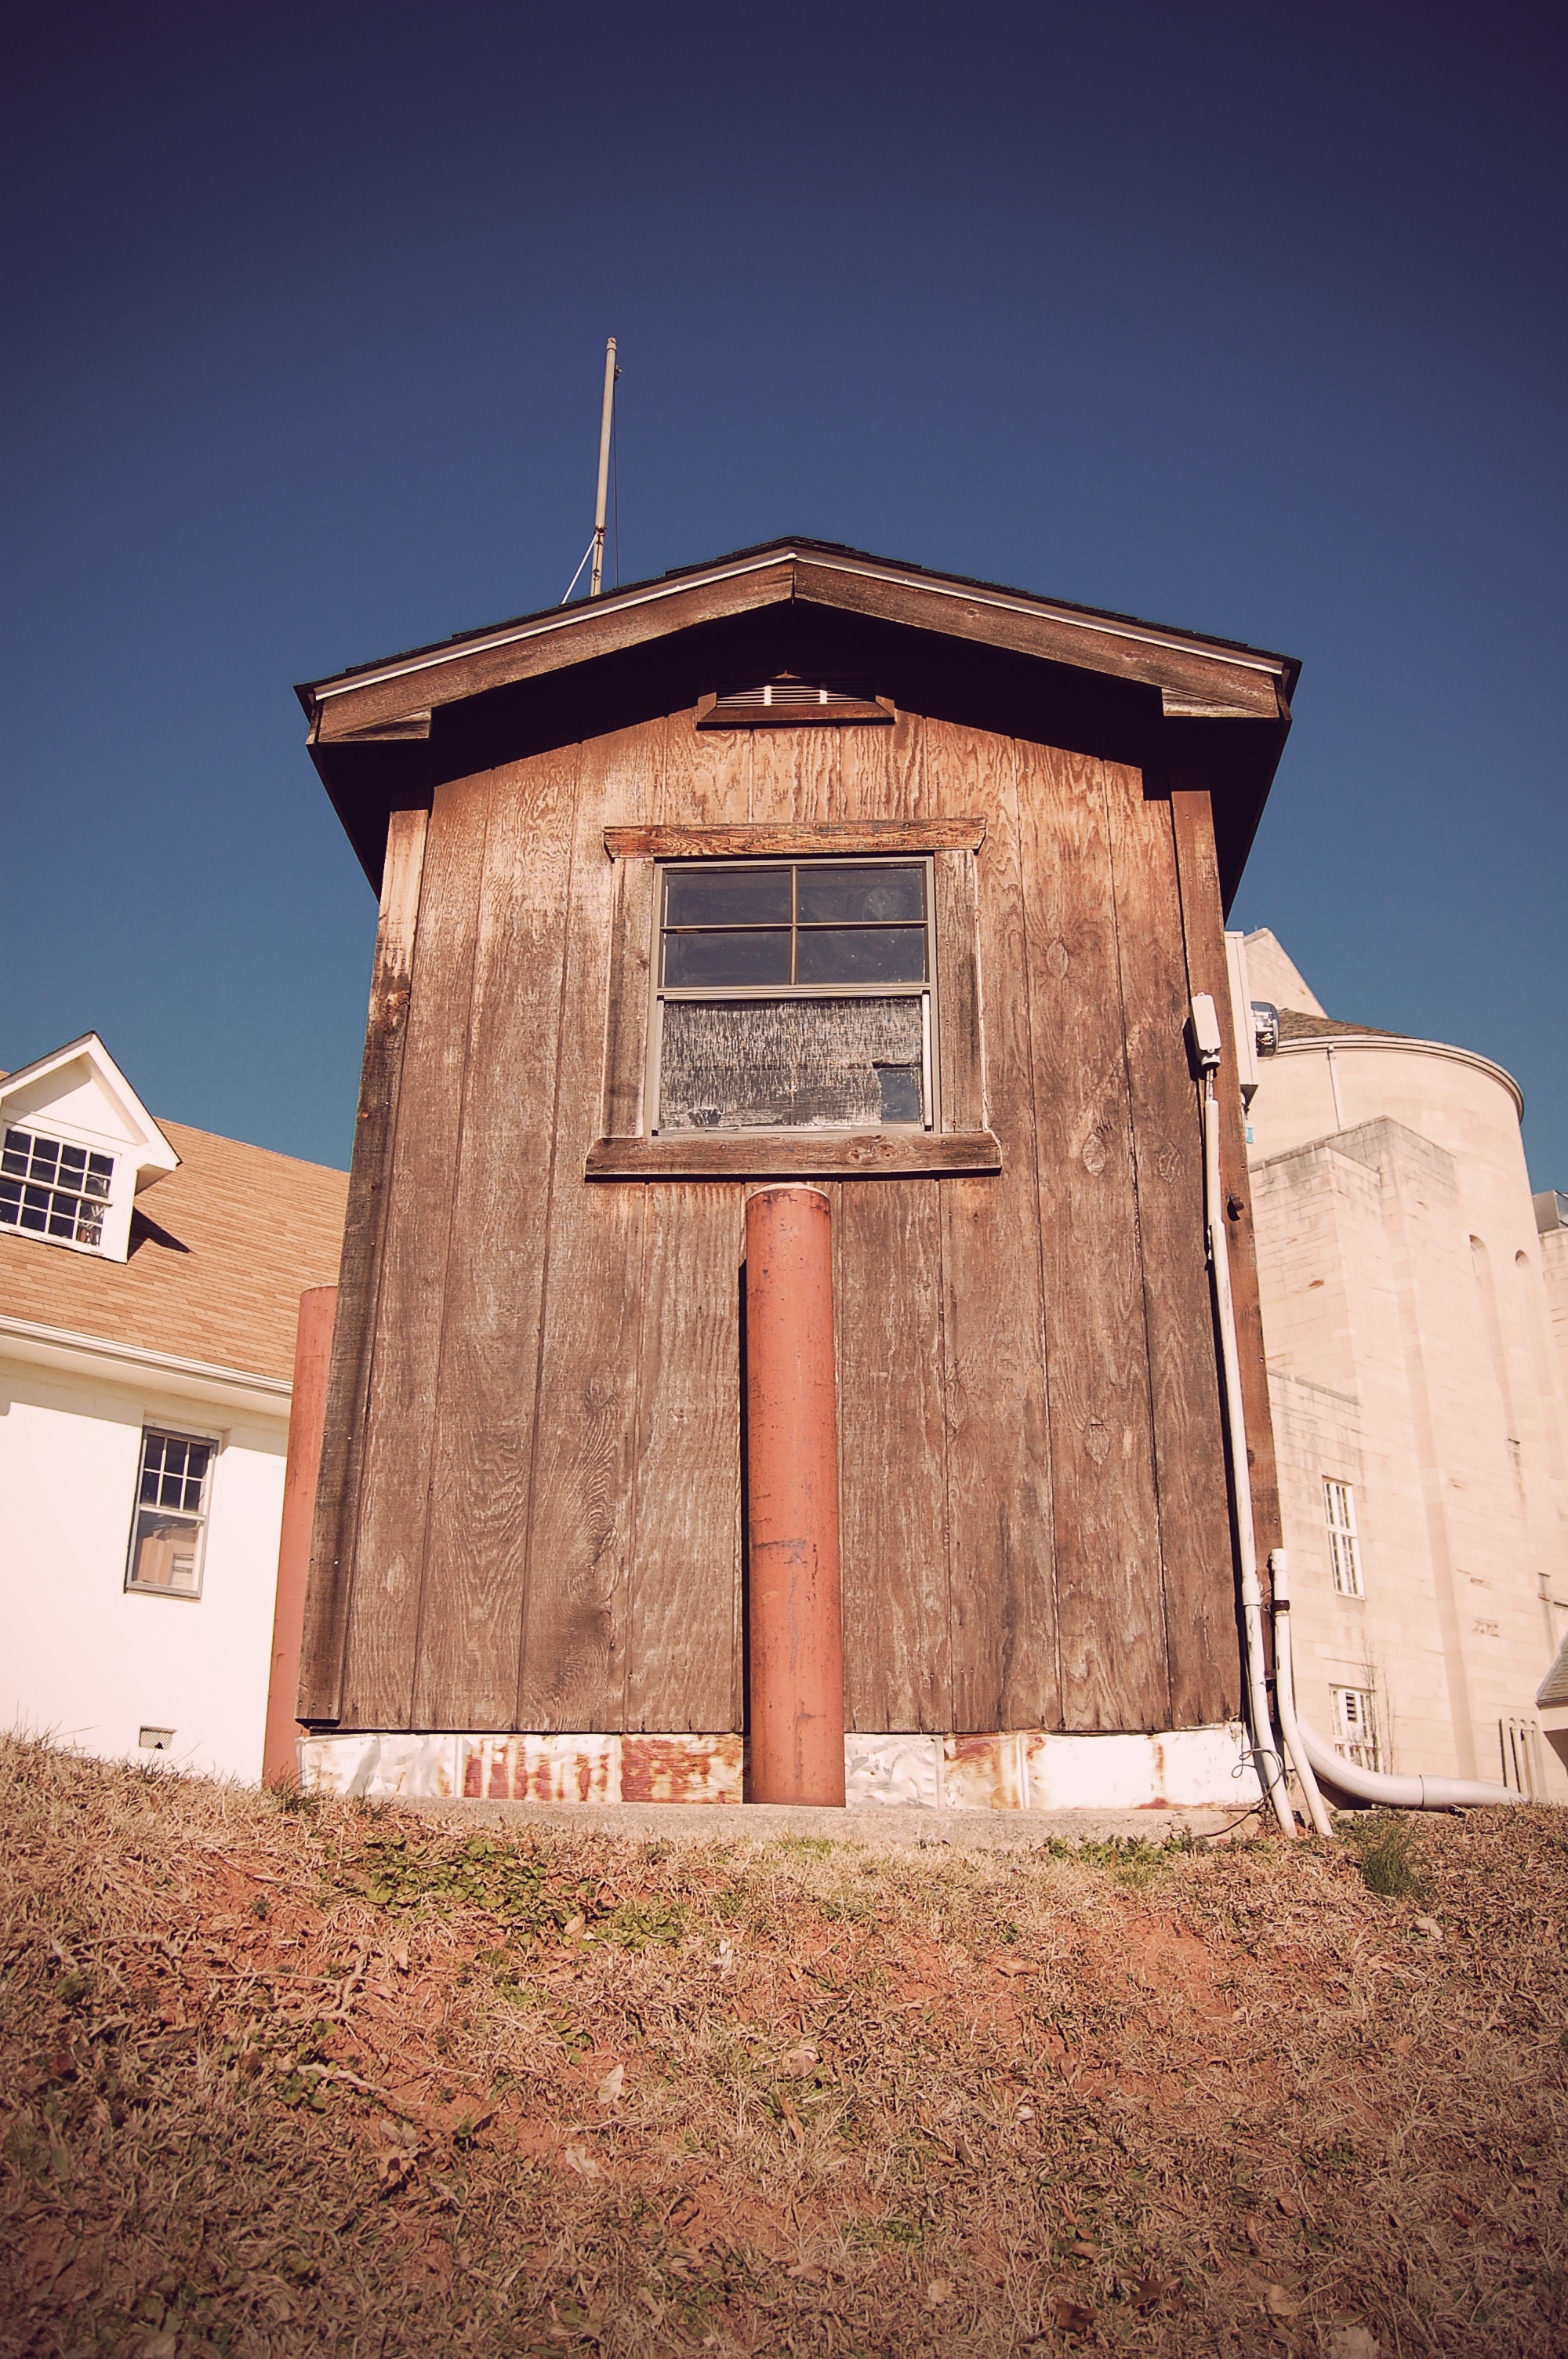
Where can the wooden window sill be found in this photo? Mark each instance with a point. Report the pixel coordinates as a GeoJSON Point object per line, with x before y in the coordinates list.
{"type": "Point", "coordinates": [793, 1155]}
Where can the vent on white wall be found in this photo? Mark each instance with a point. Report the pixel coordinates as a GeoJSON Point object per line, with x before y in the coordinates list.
{"type": "Point", "coordinates": [155, 1740]}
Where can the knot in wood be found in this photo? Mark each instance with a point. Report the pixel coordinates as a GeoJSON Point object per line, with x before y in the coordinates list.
{"type": "Point", "coordinates": [1057, 961]}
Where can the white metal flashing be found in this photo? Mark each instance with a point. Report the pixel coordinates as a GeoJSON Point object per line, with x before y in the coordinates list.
{"type": "Point", "coordinates": [626, 601]}
{"type": "Point", "coordinates": [1332, 1043]}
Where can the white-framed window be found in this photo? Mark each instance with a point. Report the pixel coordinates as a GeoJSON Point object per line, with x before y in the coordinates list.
{"type": "Point", "coordinates": [1344, 1549]}
{"type": "Point", "coordinates": [794, 995]}
{"type": "Point", "coordinates": [168, 1530]}
{"type": "Point", "coordinates": [1356, 1725]}
{"type": "Point", "coordinates": [50, 1188]}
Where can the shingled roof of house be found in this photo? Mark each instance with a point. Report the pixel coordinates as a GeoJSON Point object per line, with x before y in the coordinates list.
{"type": "Point", "coordinates": [221, 1252]}
{"type": "Point", "coordinates": [1294, 1026]}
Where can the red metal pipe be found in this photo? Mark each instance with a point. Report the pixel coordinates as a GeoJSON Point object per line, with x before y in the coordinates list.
{"type": "Point", "coordinates": [307, 1419]}
{"type": "Point", "coordinates": [795, 1651]}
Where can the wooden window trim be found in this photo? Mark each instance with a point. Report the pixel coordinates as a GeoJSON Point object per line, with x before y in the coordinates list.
{"type": "Point", "coordinates": [963, 1143]}
{"type": "Point", "coordinates": [889, 839]}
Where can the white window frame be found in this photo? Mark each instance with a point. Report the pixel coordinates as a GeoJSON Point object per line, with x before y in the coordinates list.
{"type": "Point", "coordinates": [198, 1518]}
{"type": "Point", "coordinates": [660, 993]}
{"type": "Point", "coordinates": [101, 1203]}
{"type": "Point", "coordinates": [1356, 1725]}
{"type": "Point", "coordinates": [1344, 1541]}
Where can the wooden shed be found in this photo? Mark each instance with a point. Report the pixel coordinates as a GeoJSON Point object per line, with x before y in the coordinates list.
{"type": "Point", "coordinates": [799, 862]}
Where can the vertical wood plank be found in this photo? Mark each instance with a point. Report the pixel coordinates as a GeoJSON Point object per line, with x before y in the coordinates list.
{"type": "Point", "coordinates": [708, 776]}
{"type": "Point", "coordinates": [1167, 1135]}
{"type": "Point", "coordinates": [631, 953]}
{"type": "Point", "coordinates": [1203, 923]}
{"type": "Point", "coordinates": [471, 1605]}
{"type": "Point", "coordinates": [573, 1670]}
{"type": "Point", "coordinates": [994, 1364]}
{"type": "Point", "coordinates": [683, 1613]}
{"type": "Point", "coordinates": [1110, 1605]}
{"type": "Point", "coordinates": [892, 1456]}
{"type": "Point", "coordinates": [683, 1667]}
{"type": "Point", "coordinates": [389, 1555]}
{"type": "Point", "coordinates": [795, 775]}
{"type": "Point", "coordinates": [337, 1496]}
{"type": "Point", "coordinates": [892, 1440]}
{"type": "Point", "coordinates": [958, 1037]}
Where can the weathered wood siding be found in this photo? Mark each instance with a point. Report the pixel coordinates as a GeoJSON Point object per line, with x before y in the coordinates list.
{"type": "Point", "coordinates": [539, 1525]}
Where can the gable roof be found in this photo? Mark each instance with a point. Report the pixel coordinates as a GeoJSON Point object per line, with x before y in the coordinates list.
{"type": "Point", "coordinates": [96, 1099]}
{"type": "Point", "coordinates": [218, 1260]}
{"type": "Point", "coordinates": [375, 729]}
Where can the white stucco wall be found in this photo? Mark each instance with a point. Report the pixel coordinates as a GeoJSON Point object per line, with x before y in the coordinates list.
{"type": "Point", "coordinates": [85, 1661]}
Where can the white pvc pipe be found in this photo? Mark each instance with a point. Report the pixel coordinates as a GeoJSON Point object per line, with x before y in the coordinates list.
{"type": "Point", "coordinates": [1265, 1754]}
{"type": "Point", "coordinates": [1285, 1695]}
{"type": "Point", "coordinates": [1399, 1793]}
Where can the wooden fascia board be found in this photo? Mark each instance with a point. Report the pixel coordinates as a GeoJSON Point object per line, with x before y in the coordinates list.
{"type": "Point", "coordinates": [1053, 634]}
{"type": "Point", "coordinates": [343, 713]}
{"type": "Point", "coordinates": [1194, 678]}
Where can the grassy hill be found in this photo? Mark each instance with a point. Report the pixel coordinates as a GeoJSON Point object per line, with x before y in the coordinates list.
{"type": "Point", "coordinates": [342, 2078]}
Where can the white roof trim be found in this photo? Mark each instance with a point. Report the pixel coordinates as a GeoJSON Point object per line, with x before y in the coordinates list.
{"type": "Point", "coordinates": [139, 1356]}
{"type": "Point", "coordinates": [1337, 1040]}
{"type": "Point", "coordinates": [1001, 601]}
{"type": "Point", "coordinates": [154, 1153]}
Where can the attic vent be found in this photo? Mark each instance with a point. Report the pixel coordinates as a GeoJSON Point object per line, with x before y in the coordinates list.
{"type": "Point", "coordinates": [789, 700]}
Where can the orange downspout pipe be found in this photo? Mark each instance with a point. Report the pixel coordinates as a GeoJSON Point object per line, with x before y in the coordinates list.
{"type": "Point", "coordinates": [307, 1419]}
{"type": "Point", "coordinates": [796, 1652]}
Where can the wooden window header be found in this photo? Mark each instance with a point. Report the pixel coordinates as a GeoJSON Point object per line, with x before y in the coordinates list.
{"type": "Point", "coordinates": [887, 838]}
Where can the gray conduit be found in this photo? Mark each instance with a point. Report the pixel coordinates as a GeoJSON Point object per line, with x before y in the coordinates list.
{"type": "Point", "coordinates": [1285, 1695]}
{"type": "Point", "coordinates": [1267, 1760]}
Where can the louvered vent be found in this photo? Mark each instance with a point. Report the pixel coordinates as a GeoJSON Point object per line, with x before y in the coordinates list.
{"type": "Point", "coordinates": [790, 699]}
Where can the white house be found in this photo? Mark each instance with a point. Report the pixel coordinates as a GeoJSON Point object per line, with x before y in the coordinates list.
{"type": "Point", "coordinates": [146, 1350]}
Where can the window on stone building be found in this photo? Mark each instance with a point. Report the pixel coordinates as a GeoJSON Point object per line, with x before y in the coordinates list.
{"type": "Point", "coordinates": [1356, 1725]}
{"type": "Point", "coordinates": [1344, 1549]}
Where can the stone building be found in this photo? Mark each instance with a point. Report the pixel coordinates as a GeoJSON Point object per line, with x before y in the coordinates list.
{"type": "Point", "coordinates": [1418, 1397]}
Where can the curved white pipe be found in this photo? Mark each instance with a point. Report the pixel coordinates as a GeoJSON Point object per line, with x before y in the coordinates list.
{"type": "Point", "coordinates": [1285, 1695]}
{"type": "Point", "coordinates": [1266, 1758]}
{"type": "Point", "coordinates": [1399, 1793]}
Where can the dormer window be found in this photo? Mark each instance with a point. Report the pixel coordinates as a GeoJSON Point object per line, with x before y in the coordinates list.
{"type": "Point", "coordinates": [50, 1188]}
{"type": "Point", "coordinates": [76, 1148]}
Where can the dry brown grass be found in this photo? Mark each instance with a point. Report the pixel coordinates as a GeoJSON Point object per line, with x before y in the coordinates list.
{"type": "Point", "coordinates": [292, 2081]}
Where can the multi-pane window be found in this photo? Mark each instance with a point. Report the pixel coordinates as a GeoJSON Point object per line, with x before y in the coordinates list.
{"type": "Point", "coordinates": [1356, 1725]}
{"type": "Point", "coordinates": [794, 995]}
{"type": "Point", "coordinates": [1343, 1551]}
{"type": "Point", "coordinates": [51, 1190]}
{"type": "Point", "coordinates": [171, 1514]}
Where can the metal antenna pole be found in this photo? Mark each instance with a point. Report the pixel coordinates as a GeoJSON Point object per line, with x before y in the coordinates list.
{"type": "Point", "coordinates": [596, 576]}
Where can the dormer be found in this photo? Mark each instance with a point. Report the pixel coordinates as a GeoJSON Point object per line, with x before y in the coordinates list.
{"type": "Point", "coordinates": [77, 1146]}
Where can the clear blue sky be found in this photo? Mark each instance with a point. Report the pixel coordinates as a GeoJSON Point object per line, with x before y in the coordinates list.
{"type": "Point", "coordinates": [1246, 320]}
